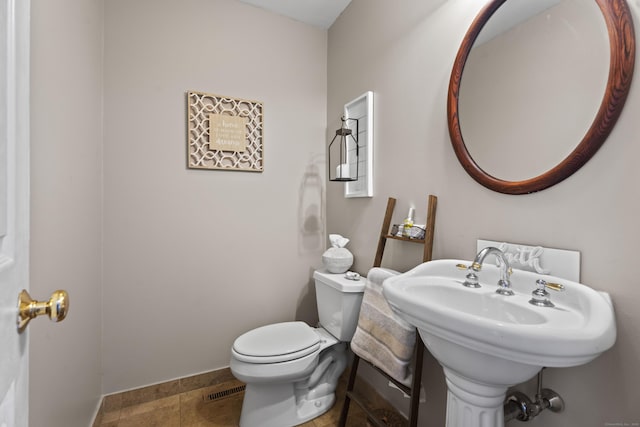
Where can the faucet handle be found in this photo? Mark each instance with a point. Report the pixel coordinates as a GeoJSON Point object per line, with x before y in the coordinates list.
{"type": "Point", "coordinates": [553, 286]}
{"type": "Point", "coordinates": [471, 280]}
{"type": "Point", "coordinates": [540, 296]}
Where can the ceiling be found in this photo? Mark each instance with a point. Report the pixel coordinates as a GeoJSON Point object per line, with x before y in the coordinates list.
{"type": "Point", "coordinates": [319, 13]}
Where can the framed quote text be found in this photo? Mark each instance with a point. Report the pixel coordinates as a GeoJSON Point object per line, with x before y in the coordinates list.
{"type": "Point", "coordinates": [224, 133]}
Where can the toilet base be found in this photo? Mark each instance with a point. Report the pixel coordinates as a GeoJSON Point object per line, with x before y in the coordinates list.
{"type": "Point", "coordinates": [274, 405]}
{"type": "Point", "coordinates": [287, 404]}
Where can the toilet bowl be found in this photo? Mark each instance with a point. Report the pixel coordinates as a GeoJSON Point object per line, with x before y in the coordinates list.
{"type": "Point", "coordinates": [291, 370]}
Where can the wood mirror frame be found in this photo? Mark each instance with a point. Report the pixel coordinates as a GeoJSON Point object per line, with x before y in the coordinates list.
{"type": "Point", "coordinates": [622, 57]}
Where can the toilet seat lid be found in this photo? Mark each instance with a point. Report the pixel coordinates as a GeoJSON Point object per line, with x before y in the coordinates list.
{"type": "Point", "coordinates": [278, 342]}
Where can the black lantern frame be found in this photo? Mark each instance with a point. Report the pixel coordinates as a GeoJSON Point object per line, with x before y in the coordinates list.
{"type": "Point", "coordinates": [344, 153]}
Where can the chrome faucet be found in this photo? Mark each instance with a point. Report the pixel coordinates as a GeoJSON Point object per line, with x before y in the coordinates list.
{"type": "Point", "coordinates": [504, 285]}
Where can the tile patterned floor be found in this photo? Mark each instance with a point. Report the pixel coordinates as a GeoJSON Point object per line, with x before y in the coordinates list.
{"type": "Point", "coordinates": [190, 408]}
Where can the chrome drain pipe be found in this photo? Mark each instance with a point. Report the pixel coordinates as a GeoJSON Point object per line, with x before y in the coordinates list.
{"type": "Point", "coordinates": [518, 406]}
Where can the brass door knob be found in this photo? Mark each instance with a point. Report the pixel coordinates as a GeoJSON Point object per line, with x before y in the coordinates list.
{"type": "Point", "coordinates": [56, 308]}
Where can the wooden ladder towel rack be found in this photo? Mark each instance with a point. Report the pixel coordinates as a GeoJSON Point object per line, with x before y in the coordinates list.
{"type": "Point", "coordinates": [413, 391]}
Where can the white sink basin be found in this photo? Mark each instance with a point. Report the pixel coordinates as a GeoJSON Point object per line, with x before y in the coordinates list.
{"type": "Point", "coordinates": [487, 342]}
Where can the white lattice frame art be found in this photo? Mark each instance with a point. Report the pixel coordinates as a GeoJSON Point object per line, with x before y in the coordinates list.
{"type": "Point", "coordinates": [203, 154]}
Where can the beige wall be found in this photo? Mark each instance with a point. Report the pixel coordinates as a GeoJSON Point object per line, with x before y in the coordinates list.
{"type": "Point", "coordinates": [66, 211]}
{"type": "Point", "coordinates": [406, 61]}
{"type": "Point", "coordinates": [194, 258]}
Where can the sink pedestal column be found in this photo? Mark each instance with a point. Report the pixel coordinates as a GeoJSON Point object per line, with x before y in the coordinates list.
{"type": "Point", "coordinates": [470, 404]}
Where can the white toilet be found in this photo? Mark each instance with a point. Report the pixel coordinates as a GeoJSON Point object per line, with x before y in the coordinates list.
{"type": "Point", "coordinates": [291, 369]}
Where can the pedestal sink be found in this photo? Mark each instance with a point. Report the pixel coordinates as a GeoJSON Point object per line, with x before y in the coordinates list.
{"type": "Point", "coordinates": [488, 342]}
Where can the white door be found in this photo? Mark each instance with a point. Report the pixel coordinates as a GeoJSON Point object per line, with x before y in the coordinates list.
{"type": "Point", "coordinates": [14, 208]}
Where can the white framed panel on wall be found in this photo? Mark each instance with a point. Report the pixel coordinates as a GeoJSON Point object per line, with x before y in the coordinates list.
{"type": "Point", "coordinates": [361, 109]}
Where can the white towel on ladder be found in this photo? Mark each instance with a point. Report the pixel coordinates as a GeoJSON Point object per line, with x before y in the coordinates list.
{"type": "Point", "coordinates": [382, 338]}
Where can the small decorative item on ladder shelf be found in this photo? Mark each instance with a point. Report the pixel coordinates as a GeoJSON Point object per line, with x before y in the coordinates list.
{"type": "Point", "coordinates": [408, 222]}
{"type": "Point", "coordinates": [415, 232]}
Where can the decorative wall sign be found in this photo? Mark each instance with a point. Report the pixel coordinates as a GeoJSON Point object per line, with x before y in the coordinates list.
{"type": "Point", "coordinates": [559, 262]}
{"type": "Point", "coordinates": [224, 133]}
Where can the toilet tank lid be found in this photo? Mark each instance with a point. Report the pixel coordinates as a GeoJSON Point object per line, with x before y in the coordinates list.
{"type": "Point", "coordinates": [339, 281]}
{"type": "Point", "coordinates": [279, 339]}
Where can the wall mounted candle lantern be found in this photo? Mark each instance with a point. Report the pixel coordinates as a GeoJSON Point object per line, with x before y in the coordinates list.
{"type": "Point", "coordinates": [344, 153]}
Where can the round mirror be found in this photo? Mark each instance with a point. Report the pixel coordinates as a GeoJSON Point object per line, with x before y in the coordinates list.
{"type": "Point", "coordinates": [536, 97]}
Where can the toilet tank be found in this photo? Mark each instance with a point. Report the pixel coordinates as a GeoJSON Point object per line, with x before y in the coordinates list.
{"type": "Point", "coordinates": [338, 300]}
